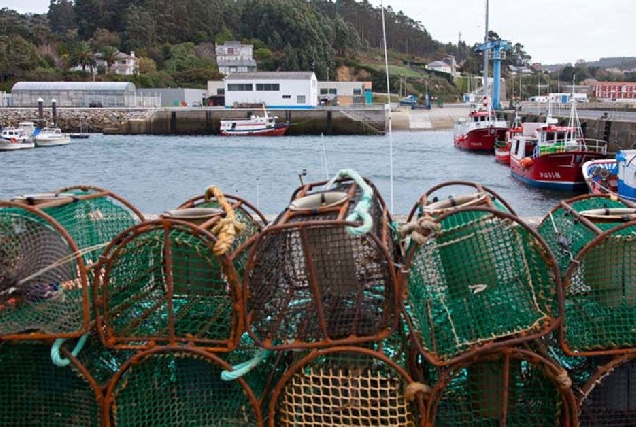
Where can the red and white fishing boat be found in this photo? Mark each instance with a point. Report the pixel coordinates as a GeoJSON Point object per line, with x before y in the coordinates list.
{"type": "Point", "coordinates": [264, 125]}
{"type": "Point", "coordinates": [546, 155]}
{"type": "Point", "coordinates": [480, 130]}
{"type": "Point", "coordinates": [502, 147]}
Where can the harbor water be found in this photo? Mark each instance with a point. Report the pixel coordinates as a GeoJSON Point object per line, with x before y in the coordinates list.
{"type": "Point", "coordinates": [157, 173]}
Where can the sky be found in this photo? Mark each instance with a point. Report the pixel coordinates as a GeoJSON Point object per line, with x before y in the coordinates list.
{"type": "Point", "coordinates": [551, 31]}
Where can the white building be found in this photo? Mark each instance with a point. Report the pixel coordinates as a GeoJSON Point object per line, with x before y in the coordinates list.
{"type": "Point", "coordinates": [440, 66]}
{"type": "Point", "coordinates": [296, 89]}
{"type": "Point", "coordinates": [235, 57]}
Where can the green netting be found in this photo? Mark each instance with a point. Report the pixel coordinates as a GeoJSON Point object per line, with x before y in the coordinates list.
{"type": "Point", "coordinates": [611, 401]}
{"type": "Point", "coordinates": [180, 388]}
{"type": "Point", "coordinates": [566, 234]}
{"type": "Point", "coordinates": [476, 395]}
{"type": "Point", "coordinates": [33, 391]}
{"type": "Point", "coordinates": [163, 282]}
{"type": "Point", "coordinates": [600, 294]}
{"type": "Point", "coordinates": [343, 388]}
{"type": "Point", "coordinates": [483, 277]}
{"type": "Point", "coordinates": [40, 286]}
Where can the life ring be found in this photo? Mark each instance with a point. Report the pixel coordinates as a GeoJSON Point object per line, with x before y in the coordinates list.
{"type": "Point", "coordinates": [455, 202]}
{"type": "Point", "coordinates": [327, 199]}
{"type": "Point", "coordinates": [526, 162]}
{"type": "Point", "coordinates": [610, 214]}
{"type": "Point", "coordinates": [14, 140]}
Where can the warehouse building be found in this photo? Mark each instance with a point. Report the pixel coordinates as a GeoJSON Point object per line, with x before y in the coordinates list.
{"type": "Point", "coordinates": [76, 94]}
{"type": "Point", "coordinates": [289, 90]}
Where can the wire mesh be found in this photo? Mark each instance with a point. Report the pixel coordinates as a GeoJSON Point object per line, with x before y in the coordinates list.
{"type": "Point", "coordinates": [311, 282]}
{"type": "Point", "coordinates": [33, 391]}
{"type": "Point", "coordinates": [343, 386]}
{"type": "Point", "coordinates": [608, 398]}
{"type": "Point", "coordinates": [510, 387]}
{"type": "Point", "coordinates": [178, 386]}
{"type": "Point", "coordinates": [567, 229]}
{"type": "Point", "coordinates": [43, 287]}
{"type": "Point", "coordinates": [160, 282]}
{"type": "Point", "coordinates": [484, 279]}
{"type": "Point", "coordinates": [599, 308]}
{"type": "Point", "coordinates": [450, 195]}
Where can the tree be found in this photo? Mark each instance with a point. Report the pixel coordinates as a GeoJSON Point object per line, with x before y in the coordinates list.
{"type": "Point", "coordinates": [109, 54]}
{"type": "Point", "coordinates": [82, 55]}
{"type": "Point", "coordinates": [102, 38]}
{"type": "Point", "coordinates": [146, 65]}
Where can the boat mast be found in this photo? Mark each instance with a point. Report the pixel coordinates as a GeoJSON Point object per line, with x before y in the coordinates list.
{"type": "Point", "coordinates": [485, 78]}
{"type": "Point", "coordinates": [388, 105]}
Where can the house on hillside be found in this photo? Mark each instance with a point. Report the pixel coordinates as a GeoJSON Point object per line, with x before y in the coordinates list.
{"type": "Point", "coordinates": [235, 57]}
{"type": "Point", "coordinates": [295, 89]}
{"type": "Point", "coordinates": [124, 65]}
{"type": "Point", "coordinates": [447, 65]}
{"type": "Point", "coordinates": [614, 91]}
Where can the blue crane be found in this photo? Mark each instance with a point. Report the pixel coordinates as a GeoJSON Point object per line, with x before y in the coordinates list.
{"type": "Point", "coordinates": [498, 48]}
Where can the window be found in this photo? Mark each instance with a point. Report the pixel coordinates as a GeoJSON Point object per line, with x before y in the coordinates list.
{"type": "Point", "coordinates": [323, 91]}
{"type": "Point", "coordinates": [333, 91]}
{"type": "Point", "coordinates": [357, 91]}
{"type": "Point", "coordinates": [220, 91]}
{"type": "Point", "coordinates": [286, 96]}
{"type": "Point", "coordinates": [300, 99]}
{"type": "Point", "coordinates": [269, 87]}
{"type": "Point", "coordinates": [239, 87]}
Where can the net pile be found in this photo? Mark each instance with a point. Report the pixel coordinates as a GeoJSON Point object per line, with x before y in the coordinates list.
{"type": "Point", "coordinates": [480, 279]}
{"type": "Point", "coordinates": [320, 274]}
{"type": "Point", "coordinates": [43, 285]}
{"type": "Point", "coordinates": [172, 386]}
{"type": "Point", "coordinates": [33, 391]}
{"type": "Point", "coordinates": [608, 398]}
{"type": "Point", "coordinates": [567, 229]}
{"type": "Point", "coordinates": [511, 387]}
{"type": "Point", "coordinates": [162, 283]}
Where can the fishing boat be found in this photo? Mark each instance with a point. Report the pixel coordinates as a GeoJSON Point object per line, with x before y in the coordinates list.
{"type": "Point", "coordinates": [264, 125]}
{"type": "Point", "coordinates": [548, 155]}
{"type": "Point", "coordinates": [18, 138]}
{"type": "Point", "coordinates": [614, 176]}
{"type": "Point", "coordinates": [480, 130]}
{"type": "Point", "coordinates": [51, 136]}
{"type": "Point", "coordinates": [502, 147]}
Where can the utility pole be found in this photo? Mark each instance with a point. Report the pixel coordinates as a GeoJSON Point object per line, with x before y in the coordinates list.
{"type": "Point", "coordinates": [485, 84]}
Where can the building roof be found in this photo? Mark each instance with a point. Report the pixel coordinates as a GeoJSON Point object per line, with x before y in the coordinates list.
{"type": "Point", "coordinates": [222, 62]}
{"type": "Point", "coordinates": [272, 75]}
{"type": "Point", "coordinates": [78, 86]}
{"type": "Point", "coordinates": [438, 64]}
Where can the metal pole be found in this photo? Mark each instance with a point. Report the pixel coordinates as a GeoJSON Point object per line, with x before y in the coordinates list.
{"type": "Point", "coordinates": [388, 94]}
{"type": "Point", "coordinates": [486, 53]}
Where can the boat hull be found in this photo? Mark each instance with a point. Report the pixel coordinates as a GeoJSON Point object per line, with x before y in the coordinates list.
{"type": "Point", "coordinates": [502, 154]}
{"type": "Point", "coordinates": [17, 145]}
{"type": "Point", "coordinates": [480, 140]}
{"type": "Point", "coordinates": [560, 171]}
{"type": "Point", "coordinates": [52, 142]}
{"type": "Point", "coordinates": [277, 130]}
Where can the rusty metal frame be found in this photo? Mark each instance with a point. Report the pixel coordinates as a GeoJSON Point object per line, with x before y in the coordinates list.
{"type": "Point", "coordinates": [569, 415]}
{"type": "Point", "coordinates": [418, 404]}
{"type": "Point", "coordinates": [101, 301]}
{"type": "Point", "coordinates": [141, 356]}
{"type": "Point", "coordinates": [82, 276]}
{"type": "Point", "coordinates": [237, 204]}
{"type": "Point", "coordinates": [486, 345]}
{"type": "Point", "coordinates": [423, 200]}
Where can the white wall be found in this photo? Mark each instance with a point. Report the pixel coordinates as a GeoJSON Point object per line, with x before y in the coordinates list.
{"type": "Point", "coordinates": [292, 93]}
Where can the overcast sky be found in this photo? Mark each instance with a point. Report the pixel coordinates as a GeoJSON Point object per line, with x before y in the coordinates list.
{"type": "Point", "coordinates": [551, 31]}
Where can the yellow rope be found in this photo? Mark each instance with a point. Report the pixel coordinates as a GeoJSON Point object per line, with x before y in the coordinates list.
{"type": "Point", "coordinates": [227, 228]}
{"type": "Point", "coordinates": [420, 229]}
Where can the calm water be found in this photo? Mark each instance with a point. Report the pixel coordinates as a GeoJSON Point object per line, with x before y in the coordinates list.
{"type": "Point", "coordinates": [157, 173]}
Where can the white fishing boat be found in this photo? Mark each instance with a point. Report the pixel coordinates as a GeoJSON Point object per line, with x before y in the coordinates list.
{"type": "Point", "coordinates": [264, 125]}
{"type": "Point", "coordinates": [51, 136]}
{"type": "Point", "coordinates": [18, 138]}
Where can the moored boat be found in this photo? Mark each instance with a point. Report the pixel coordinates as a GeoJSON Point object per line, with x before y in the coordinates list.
{"type": "Point", "coordinates": [264, 125]}
{"type": "Point", "coordinates": [546, 155]}
{"type": "Point", "coordinates": [51, 136]}
{"type": "Point", "coordinates": [480, 130]}
{"type": "Point", "coordinates": [613, 176]}
{"type": "Point", "coordinates": [502, 147]}
{"type": "Point", "coordinates": [18, 138]}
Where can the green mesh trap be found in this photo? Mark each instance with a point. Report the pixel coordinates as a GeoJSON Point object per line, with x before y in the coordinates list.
{"type": "Point", "coordinates": [450, 195]}
{"type": "Point", "coordinates": [43, 284]}
{"type": "Point", "coordinates": [343, 386]}
{"type": "Point", "coordinates": [314, 278]}
{"type": "Point", "coordinates": [33, 391]}
{"type": "Point", "coordinates": [174, 386]}
{"type": "Point", "coordinates": [608, 398]}
{"type": "Point", "coordinates": [160, 282]}
{"type": "Point", "coordinates": [483, 279]}
{"type": "Point", "coordinates": [510, 387]}
{"type": "Point", "coordinates": [570, 225]}
{"type": "Point", "coordinates": [599, 307]}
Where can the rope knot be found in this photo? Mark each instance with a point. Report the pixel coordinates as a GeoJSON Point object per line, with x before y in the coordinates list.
{"type": "Point", "coordinates": [420, 229]}
{"type": "Point", "coordinates": [413, 388]}
{"type": "Point", "coordinates": [563, 379]}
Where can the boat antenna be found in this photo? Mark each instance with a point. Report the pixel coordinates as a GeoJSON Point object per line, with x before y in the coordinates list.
{"type": "Point", "coordinates": [388, 105]}
{"type": "Point", "coordinates": [300, 176]}
{"type": "Point", "coordinates": [486, 53]}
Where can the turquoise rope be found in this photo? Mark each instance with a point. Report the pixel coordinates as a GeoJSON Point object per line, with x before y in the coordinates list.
{"type": "Point", "coordinates": [361, 211]}
{"type": "Point", "coordinates": [57, 358]}
{"type": "Point", "coordinates": [243, 368]}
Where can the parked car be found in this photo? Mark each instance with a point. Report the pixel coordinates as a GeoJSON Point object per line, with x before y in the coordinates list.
{"type": "Point", "coordinates": [95, 104]}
